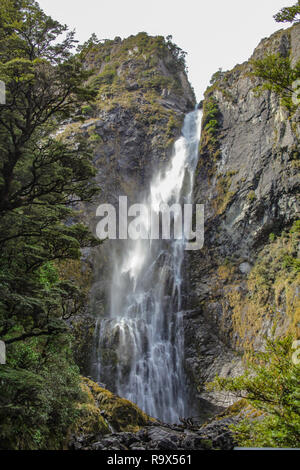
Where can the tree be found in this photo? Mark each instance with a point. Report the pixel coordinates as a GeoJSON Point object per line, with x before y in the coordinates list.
{"type": "Point", "coordinates": [289, 14]}
{"type": "Point", "coordinates": [271, 385]}
{"type": "Point", "coordinates": [42, 179]}
{"type": "Point", "coordinates": [278, 76]}
{"type": "Point", "coordinates": [276, 71]}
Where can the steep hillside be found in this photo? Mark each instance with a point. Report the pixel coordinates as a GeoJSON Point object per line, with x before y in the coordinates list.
{"type": "Point", "coordinates": [245, 281]}
{"type": "Point", "coordinates": [143, 95]}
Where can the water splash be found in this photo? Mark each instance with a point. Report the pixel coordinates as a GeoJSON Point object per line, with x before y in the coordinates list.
{"type": "Point", "coordinates": [139, 349]}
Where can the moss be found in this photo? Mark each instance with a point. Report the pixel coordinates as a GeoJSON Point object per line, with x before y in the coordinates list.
{"type": "Point", "coordinates": [224, 195]}
{"type": "Point", "coordinates": [95, 138]}
{"type": "Point", "coordinates": [207, 444]}
{"type": "Point", "coordinates": [241, 408]}
{"type": "Point", "coordinates": [225, 272]}
{"type": "Point", "coordinates": [172, 126]}
{"type": "Point", "coordinates": [272, 237]}
{"type": "Point", "coordinates": [271, 294]}
{"type": "Point", "coordinates": [251, 196]}
{"type": "Point", "coordinates": [87, 110]}
{"type": "Point", "coordinates": [90, 420]}
{"type": "Point", "coordinates": [121, 414]}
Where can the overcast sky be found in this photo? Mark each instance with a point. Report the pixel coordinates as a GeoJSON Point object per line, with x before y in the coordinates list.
{"type": "Point", "coordinates": [214, 33]}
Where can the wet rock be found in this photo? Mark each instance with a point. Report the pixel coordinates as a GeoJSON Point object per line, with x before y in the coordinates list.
{"type": "Point", "coordinates": [215, 435]}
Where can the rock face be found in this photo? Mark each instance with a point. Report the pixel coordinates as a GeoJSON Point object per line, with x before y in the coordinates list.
{"type": "Point", "coordinates": [143, 96]}
{"type": "Point", "coordinates": [169, 438]}
{"type": "Point", "coordinates": [248, 180]}
{"type": "Point", "coordinates": [108, 422]}
{"type": "Point", "coordinates": [243, 282]}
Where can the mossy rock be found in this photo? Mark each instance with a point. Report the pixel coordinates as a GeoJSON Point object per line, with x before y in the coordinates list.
{"type": "Point", "coordinates": [90, 419]}
{"type": "Point", "coordinates": [242, 409]}
{"type": "Point", "coordinates": [120, 414]}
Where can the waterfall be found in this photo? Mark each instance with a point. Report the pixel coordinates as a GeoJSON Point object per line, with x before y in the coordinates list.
{"type": "Point", "coordinates": [140, 347]}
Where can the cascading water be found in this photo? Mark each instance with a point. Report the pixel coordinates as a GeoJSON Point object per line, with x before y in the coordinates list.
{"type": "Point", "coordinates": [143, 337]}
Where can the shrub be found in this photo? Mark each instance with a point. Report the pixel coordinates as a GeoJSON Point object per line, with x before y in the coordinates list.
{"type": "Point", "coordinates": [271, 385]}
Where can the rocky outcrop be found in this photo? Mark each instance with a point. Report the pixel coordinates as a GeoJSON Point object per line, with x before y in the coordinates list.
{"type": "Point", "coordinates": [241, 284]}
{"type": "Point", "coordinates": [169, 438]}
{"type": "Point", "coordinates": [102, 413]}
{"type": "Point", "coordinates": [108, 422]}
{"type": "Point", "coordinates": [143, 96]}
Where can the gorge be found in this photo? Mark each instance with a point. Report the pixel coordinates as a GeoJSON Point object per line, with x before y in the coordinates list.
{"type": "Point", "coordinates": [146, 343]}
{"type": "Point", "coordinates": [145, 322]}
{"type": "Point", "coordinates": [239, 179]}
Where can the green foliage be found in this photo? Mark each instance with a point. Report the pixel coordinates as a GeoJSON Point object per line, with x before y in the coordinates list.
{"type": "Point", "coordinates": [291, 262]}
{"type": "Point", "coordinates": [87, 110]}
{"type": "Point", "coordinates": [271, 385]}
{"type": "Point", "coordinates": [39, 388]}
{"type": "Point", "coordinates": [289, 14]}
{"type": "Point", "coordinates": [272, 237]}
{"type": "Point", "coordinates": [178, 54]}
{"type": "Point", "coordinates": [295, 227]}
{"type": "Point", "coordinates": [107, 76]}
{"type": "Point", "coordinates": [89, 45]}
{"type": "Point", "coordinates": [278, 76]}
{"type": "Point", "coordinates": [211, 114]}
{"type": "Point", "coordinates": [48, 275]}
{"type": "Point", "coordinates": [41, 177]}
{"type": "Point", "coordinates": [41, 180]}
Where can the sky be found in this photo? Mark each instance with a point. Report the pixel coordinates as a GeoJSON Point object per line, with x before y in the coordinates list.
{"type": "Point", "coordinates": [214, 33]}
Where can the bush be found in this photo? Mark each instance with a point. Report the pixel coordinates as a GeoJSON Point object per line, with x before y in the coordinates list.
{"type": "Point", "coordinates": [271, 385]}
{"type": "Point", "coordinates": [39, 388]}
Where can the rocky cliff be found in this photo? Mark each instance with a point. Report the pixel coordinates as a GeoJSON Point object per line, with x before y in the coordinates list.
{"type": "Point", "coordinates": [143, 95]}
{"type": "Point", "coordinates": [243, 284]}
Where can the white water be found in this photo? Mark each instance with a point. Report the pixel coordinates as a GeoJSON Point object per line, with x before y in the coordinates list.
{"type": "Point", "coordinates": [144, 333]}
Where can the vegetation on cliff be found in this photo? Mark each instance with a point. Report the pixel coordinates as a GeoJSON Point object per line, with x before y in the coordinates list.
{"type": "Point", "coordinates": [271, 386]}
{"type": "Point", "coordinates": [143, 75]}
{"type": "Point", "coordinates": [279, 76]}
{"type": "Point", "coordinates": [247, 285]}
{"type": "Point", "coordinates": [289, 14]}
{"type": "Point", "coordinates": [54, 100]}
{"type": "Point", "coordinates": [276, 70]}
{"type": "Point", "coordinates": [271, 293]}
